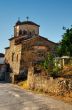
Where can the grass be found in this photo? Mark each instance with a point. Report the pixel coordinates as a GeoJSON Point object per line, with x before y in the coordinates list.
{"type": "Point", "coordinates": [23, 84]}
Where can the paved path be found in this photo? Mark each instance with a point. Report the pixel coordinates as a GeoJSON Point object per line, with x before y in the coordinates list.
{"type": "Point", "coordinates": [14, 98]}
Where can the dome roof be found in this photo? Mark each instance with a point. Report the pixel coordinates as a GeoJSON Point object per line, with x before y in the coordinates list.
{"type": "Point", "coordinates": [18, 22]}
{"type": "Point", "coordinates": [26, 22]}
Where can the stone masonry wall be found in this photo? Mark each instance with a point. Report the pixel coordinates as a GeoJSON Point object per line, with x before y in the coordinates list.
{"type": "Point", "coordinates": [58, 86]}
{"type": "Point", "coordinates": [27, 27]}
{"type": "Point", "coordinates": [15, 64]}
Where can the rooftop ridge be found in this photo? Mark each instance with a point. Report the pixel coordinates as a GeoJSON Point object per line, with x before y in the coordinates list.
{"type": "Point", "coordinates": [26, 22]}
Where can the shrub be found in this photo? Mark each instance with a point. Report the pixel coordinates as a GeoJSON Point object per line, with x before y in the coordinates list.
{"type": "Point", "coordinates": [49, 66]}
{"type": "Point", "coordinates": [48, 63]}
{"type": "Point", "coordinates": [56, 72]}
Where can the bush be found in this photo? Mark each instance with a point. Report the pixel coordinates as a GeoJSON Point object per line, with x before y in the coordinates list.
{"type": "Point", "coordinates": [49, 66]}
{"type": "Point", "coordinates": [56, 72]}
{"type": "Point", "coordinates": [48, 63]}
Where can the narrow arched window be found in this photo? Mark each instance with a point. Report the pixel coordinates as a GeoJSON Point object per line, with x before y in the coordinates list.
{"type": "Point", "coordinates": [30, 33]}
{"type": "Point", "coordinates": [17, 57]}
{"type": "Point", "coordinates": [12, 56]}
{"type": "Point", "coordinates": [33, 32]}
{"type": "Point", "coordinates": [20, 32]}
{"type": "Point", "coordinates": [24, 32]}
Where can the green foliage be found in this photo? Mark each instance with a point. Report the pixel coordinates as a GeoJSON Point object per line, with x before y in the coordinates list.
{"type": "Point", "coordinates": [56, 72]}
{"type": "Point", "coordinates": [65, 47]}
{"type": "Point", "coordinates": [49, 66]}
{"type": "Point", "coordinates": [48, 63]}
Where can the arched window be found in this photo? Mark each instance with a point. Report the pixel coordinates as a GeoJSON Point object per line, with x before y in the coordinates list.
{"type": "Point", "coordinates": [20, 32]}
{"type": "Point", "coordinates": [17, 57]}
{"type": "Point", "coordinates": [33, 32]}
{"type": "Point", "coordinates": [13, 56]}
{"type": "Point", "coordinates": [24, 32]}
{"type": "Point", "coordinates": [30, 33]}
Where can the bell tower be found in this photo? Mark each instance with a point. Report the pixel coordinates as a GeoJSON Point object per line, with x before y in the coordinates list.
{"type": "Point", "coordinates": [26, 28]}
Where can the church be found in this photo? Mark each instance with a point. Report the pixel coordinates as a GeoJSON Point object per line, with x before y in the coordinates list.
{"type": "Point", "coordinates": [27, 47]}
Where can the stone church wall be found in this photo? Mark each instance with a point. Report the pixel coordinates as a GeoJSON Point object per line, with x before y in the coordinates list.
{"type": "Point", "coordinates": [27, 27]}
{"type": "Point", "coordinates": [30, 53]}
{"type": "Point", "coordinates": [13, 56]}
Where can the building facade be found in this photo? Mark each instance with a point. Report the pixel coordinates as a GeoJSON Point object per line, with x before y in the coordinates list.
{"type": "Point", "coordinates": [26, 47]}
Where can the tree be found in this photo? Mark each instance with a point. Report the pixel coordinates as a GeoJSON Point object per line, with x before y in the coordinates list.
{"type": "Point", "coordinates": [65, 47]}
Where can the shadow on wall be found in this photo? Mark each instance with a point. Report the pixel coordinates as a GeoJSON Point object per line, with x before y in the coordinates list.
{"type": "Point", "coordinates": [5, 72]}
{"type": "Point", "coordinates": [22, 76]}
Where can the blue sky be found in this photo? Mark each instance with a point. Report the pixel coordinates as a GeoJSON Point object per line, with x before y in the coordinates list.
{"type": "Point", "coordinates": [51, 15]}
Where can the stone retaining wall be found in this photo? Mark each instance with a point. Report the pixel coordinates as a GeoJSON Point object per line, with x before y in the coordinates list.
{"type": "Point", "coordinates": [58, 86]}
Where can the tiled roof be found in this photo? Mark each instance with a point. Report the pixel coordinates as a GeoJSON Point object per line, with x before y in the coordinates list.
{"type": "Point", "coordinates": [1, 55]}
{"type": "Point", "coordinates": [18, 40]}
{"type": "Point", "coordinates": [26, 22]}
{"type": "Point", "coordinates": [11, 38]}
{"type": "Point", "coordinates": [48, 40]}
{"type": "Point", "coordinates": [45, 42]}
{"type": "Point", "coordinates": [7, 47]}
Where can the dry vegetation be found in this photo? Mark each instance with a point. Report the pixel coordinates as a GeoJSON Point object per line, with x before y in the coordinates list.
{"type": "Point", "coordinates": [67, 70]}
{"type": "Point", "coordinates": [67, 96]}
{"type": "Point", "coordinates": [23, 84]}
